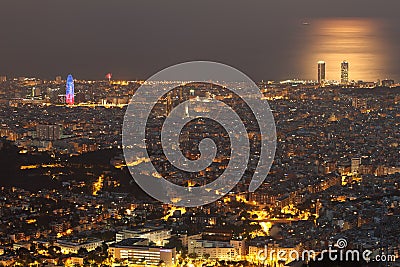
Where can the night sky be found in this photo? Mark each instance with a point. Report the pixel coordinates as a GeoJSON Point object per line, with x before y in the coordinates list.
{"type": "Point", "coordinates": [134, 39]}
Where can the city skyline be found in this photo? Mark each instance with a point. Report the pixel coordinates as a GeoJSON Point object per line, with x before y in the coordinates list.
{"type": "Point", "coordinates": [343, 69]}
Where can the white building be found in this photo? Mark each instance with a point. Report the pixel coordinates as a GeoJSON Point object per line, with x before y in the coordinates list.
{"type": "Point", "coordinates": [220, 250]}
{"type": "Point", "coordinates": [68, 247]}
{"type": "Point", "coordinates": [132, 250]}
{"type": "Point", "coordinates": [157, 235]}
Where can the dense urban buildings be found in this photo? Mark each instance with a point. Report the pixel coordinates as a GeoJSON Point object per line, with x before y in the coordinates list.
{"type": "Point", "coordinates": [66, 197]}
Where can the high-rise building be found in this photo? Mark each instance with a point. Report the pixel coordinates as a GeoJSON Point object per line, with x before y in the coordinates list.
{"type": "Point", "coordinates": [355, 165]}
{"type": "Point", "coordinates": [3, 79]}
{"type": "Point", "coordinates": [48, 132]}
{"type": "Point", "coordinates": [69, 96]}
{"type": "Point", "coordinates": [58, 79]}
{"type": "Point", "coordinates": [344, 72]}
{"type": "Point", "coordinates": [360, 103]}
{"type": "Point", "coordinates": [168, 105]}
{"type": "Point", "coordinates": [321, 72]}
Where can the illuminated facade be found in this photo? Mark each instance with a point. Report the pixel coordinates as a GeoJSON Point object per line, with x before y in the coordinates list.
{"type": "Point", "coordinates": [48, 132]}
{"type": "Point", "coordinates": [344, 72]}
{"type": "Point", "coordinates": [157, 236]}
{"type": "Point", "coordinates": [135, 250]}
{"type": "Point", "coordinates": [73, 247]}
{"type": "Point", "coordinates": [321, 72]}
{"type": "Point", "coordinates": [218, 250]}
{"type": "Point", "coordinates": [69, 95]}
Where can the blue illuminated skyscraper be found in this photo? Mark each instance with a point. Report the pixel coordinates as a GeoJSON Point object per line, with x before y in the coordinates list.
{"type": "Point", "coordinates": [69, 96]}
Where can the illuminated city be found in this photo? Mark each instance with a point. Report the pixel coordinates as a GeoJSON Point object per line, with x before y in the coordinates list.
{"type": "Point", "coordinates": [68, 198]}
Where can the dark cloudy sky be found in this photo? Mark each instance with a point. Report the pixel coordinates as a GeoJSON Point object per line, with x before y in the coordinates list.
{"type": "Point", "coordinates": [134, 39]}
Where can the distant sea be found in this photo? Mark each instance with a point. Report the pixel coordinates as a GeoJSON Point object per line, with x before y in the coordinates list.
{"type": "Point", "coordinates": [371, 46]}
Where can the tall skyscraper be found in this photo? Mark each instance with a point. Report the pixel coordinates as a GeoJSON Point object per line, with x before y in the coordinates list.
{"type": "Point", "coordinates": [58, 79]}
{"type": "Point", "coordinates": [321, 72]}
{"type": "Point", "coordinates": [3, 79]}
{"type": "Point", "coordinates": [344, 72]}
{"type": "Point", "coordinates": [69, 95]}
